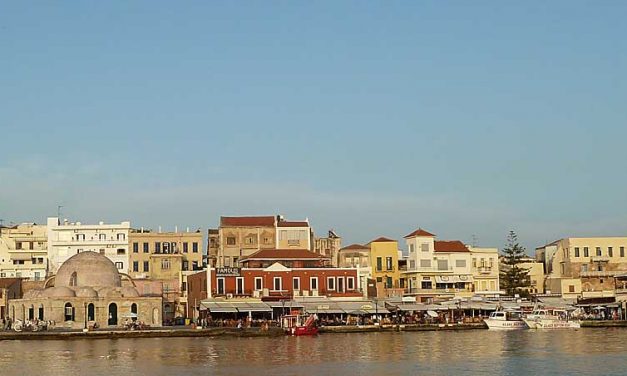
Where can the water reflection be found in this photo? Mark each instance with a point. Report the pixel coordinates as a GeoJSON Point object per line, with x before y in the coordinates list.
{"type": "Point", "coordinates": [576, 352]}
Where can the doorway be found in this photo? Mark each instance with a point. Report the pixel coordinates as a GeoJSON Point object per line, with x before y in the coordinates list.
{"type": "Point", "coordinates": [113, 314]}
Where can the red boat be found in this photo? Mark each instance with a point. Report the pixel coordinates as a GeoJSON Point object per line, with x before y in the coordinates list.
{"type": "Point", "coordinates": [292, 326]}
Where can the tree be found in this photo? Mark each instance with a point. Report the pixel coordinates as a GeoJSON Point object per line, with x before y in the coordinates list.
{"type": "Point", "coordinates": [514, 277]}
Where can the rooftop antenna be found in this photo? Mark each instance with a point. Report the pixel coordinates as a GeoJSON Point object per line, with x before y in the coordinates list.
{"type": "Point", "coordinates": [474, 240]}
{"type": "Point", "coordinates": [59, 212]}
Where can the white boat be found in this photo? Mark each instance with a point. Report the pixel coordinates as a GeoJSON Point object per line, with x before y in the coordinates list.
{"type": "Point", "coordinates": [506, 320]}
{"type": "Point", "coordinates": [551, 319]}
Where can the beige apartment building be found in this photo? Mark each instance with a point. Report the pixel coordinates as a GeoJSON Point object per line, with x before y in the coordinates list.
{"type": "Point", "coordinates": [24, 251]}
{"type": "Point", "coordinates": [167, 257]}
{"type": "Point", "coordinates": [583, 267]}
{"type": "Point", "coordinates": [357, 256]}
{"type": "Point", "coordinates": [485, 270]}
{"type": "Point", "coordinates": [238, 237]}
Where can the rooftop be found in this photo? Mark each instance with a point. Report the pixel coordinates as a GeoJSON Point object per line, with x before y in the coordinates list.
{"type": "Point", "coordinates": [449, 246]}
{"type": "Point", "coordinates": [284, 254]}
{"type": "Point", "coordinates": [382, 239]}
{"type": "Point", "coordinates": [259, 221]}
{"type": "Point", "coordinates": [420, 232]}
{"type": "Point", "coordinates": [293, 224]}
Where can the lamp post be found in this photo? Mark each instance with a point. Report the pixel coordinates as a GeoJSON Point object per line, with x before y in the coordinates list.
{"type": "Point", "coordinates": [85, 316]}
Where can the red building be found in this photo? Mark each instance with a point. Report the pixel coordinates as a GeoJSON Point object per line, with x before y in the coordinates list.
{"type": "Point", "coordinates": [276, 274]}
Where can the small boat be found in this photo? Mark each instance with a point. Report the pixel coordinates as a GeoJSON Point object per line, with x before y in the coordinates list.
{"type": "Point", "coordinates": [551, 319]}
{"type": "Point", "coordinates": [505, 320]}
{"type": "Point", "coordinates": [292, 325]}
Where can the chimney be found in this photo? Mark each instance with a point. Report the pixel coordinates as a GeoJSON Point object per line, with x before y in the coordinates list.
{"type": "Point", "coordinates": [176, 228]}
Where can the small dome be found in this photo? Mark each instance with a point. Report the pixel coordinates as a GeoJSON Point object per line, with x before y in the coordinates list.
{"type": "Point", "coordinates": [88, 269]}
{"type": "Point", "coordinates": [86, 292]}
{"type": "Point", "coordinates": [34, 294]}
{"type": "Point", "coordinates": [59, 292]}
{"type": "Point", "coordinates": [129, 292]}
{"type": "Point", "coordinates": [109, 292]}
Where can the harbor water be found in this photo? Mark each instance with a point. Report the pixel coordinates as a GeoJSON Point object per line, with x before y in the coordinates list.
{"type": "Point", "coordinates": [525, 352]}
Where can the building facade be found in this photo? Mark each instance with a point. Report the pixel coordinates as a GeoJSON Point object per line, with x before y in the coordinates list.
{"type": "Point", "coordinates": [10, 288]}
{"type": "Point", "coordinates": [357, 256]}
{"type": "Point", "coordinates": [384, 266]}
{"type": "Point", "coordinates": [485, 270]}
{"type": "Point", "coordinates": [67, 239]}
{"type": "Point", "coordinates": [329, 246]}
{"type": "Point", "coordinates": [24, 251]}
{"type": "Point", "coordinates": [437, 269]}
{"type": "Point", "coordinates": [242, 236]}
{"type": "Point", "coordinates": [583, 267]}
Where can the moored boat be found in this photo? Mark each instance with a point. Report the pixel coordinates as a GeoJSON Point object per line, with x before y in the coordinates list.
{"type": "Point", "coordinates": [292, 325]}
{"type": "Point", "coordinates": [551, 319]}
{"type": "Point", "coordinates": [505, 320]}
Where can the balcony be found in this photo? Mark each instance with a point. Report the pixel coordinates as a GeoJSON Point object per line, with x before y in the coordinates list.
{"type": "Point", "coordinates": [484, 269]}
{"type": "Point", "coordinates": [599, 273]}
{"type": "Point", "coordinates": [600, 259]}
{"type": "Point", "coordinates": [451, 291]}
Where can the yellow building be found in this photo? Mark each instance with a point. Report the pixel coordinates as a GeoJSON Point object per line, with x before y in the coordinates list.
{"type": "Point", "coordinates": [485, 270]}
{"type": "Point", "coordinates": [384, 262]}
{"type": "Point", "coordinates": [24, 251]}
{"type": "Point", "coordinates": [583, 267]}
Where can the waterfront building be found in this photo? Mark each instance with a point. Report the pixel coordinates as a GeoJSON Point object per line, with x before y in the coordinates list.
{"type": "Point", "coordinates": [535, 272]}
{"type": "Point", "coordinates": [357, 256]}
{"type": "Point", "coordinates": [238, 237]}
{"type": "Point", "coordinates": [24, 251]}
{"type": "Point", "coordinates": [168, 257]}
{"type": "Point", "coordinates": [329, 246]}
{"type": "Point", "coordinates": [10, 288]}
{"type": "Point", "coordinates": [88, 289]}
{"type": "Point", "coordinates": [66, 239]}
{"type": "Point", "coordinates": [384, 261]}
{"type": "Point", "coordinates": [583, 267]}
{"type": "Point", "coordinates": [485, 270]}
{"type": "Point", "coordinates": [437, 268]}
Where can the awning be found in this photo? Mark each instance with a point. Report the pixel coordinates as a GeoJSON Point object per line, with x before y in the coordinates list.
{"type": "Point", "coordinates": [452, 278]}
{"type": "Point", "coordinates": [21, 256]}
{"type": "Point", "coordinates": [287, 304]}
{"type": "Point", "coordinates": [234, 307]}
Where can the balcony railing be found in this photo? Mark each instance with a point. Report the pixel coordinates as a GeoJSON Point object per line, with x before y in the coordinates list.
{"type": "Point", "coordinates": [435, 291]}
{"type": "Point", "coordinates": [599, 273]}
{"type": "Point", "coordinates": [600, 258]}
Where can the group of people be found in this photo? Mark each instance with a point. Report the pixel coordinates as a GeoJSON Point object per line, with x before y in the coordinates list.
{"type": "Point", "coordinates": [27, 325]}
{"type": "Point", "coordinates": [209, 322]}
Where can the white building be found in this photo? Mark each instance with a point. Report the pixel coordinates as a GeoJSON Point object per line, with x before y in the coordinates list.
{"type": "Point", "coordinates": [67, 239]}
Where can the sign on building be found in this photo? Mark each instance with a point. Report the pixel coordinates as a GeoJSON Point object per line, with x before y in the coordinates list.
{"type": "Point", "coordinates": [228, 272]}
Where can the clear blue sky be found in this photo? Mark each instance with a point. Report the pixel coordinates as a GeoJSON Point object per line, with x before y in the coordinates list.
{"type": "Point", "coordinates": [372, 118]}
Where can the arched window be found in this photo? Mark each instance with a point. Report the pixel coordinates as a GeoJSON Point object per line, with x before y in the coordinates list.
{"type": "Point", "coordinates": [73, 279]}
{"type": "Point", "coordinates": [91, 312]}
{"type": "Point", "coordinates": [113, 314]}
{"type": "Point", "coordinates": [31, 312]}
{"type": "Point", "coordinates": [69, 312]}
{"type": "Point", "coordinates": [134, 312]}
{"type": "Point", "coordinates": [40, 314]}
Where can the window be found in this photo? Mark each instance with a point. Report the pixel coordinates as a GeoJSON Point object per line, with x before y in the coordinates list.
{"type": "Point", "coordinates": [80, 237]}
{"type": "Point", "coordinates": [424, 247]}
{"type": "Point", "coordinates": [146, 266]}
{"type": "Point", "coordinates": [239, 285]}
{"type": "Point", "coordinates": [571, 288]}
{"type": "Point", "coordinates": [296, 283]}
{"type": "Point", "coordinates": [442, 264]}
{"type": "Point", "coordinates": [622, 251]}
{"type": "Point", "coordinates": [73, 280]}
{"type": "Point", "coordinates": [379, 264]}
{"type": "Point", "coordinates": [121, 237]}
{"type": "Point", "coordinates": [313, 283]}
{"type": "Point", "coordinates": [135, 266]}
{"type": "Point", "coordinates": [221, 286]}
{"type": "Point", "coordinates": [145, 247]}
{"type": "Point", "coordinates": [18, 245]}
{"type": "Point", "coordinates": [173, 247]}
{"type": "Point", "coordinates": [331, 283]}
{"type": "Point", "coordinates": [411, 248]}
{"type": "Point", "coordinates": [157, 247]}
{"type": "Point", "coordinates": [340, 284]}
{"type": "Point", "coordinates": [388, 263]}
{"type": "Point", "coordinates": [121, 251]}
{"type": "Point", "coordinates": [195, 265]}
{"type": "Point", "coordinates": [185, 265]}
{"type": "Point", "coordinates": [599, 253]}
{"type": "Point", "coordinates": [584, 268]}
{"type": "Point", "coordinates": [102, 251]}
{"type": "Point", "coordinates": [135, 247]}
{"type": "Point", "coordinates": [119, 265]}
{"type": "Point", "coordinates": [185, 247]}
{"type": "Point", "coordinates": [258, 283]}
{"type": "Point", "coordinates": [585, 252]}
{"type": "Point", "coordinates": [576, 251]}
{"type": "Point", "coordinates": [379, 279]}
{"type": "Point", "coordinates": [277, 284]}
{"type": "Point", "coordinates": [350, 283]}
{"type": "Point", "coordinates": [102, 237]}
{"type": "Point", "coordinates": [425, 263]}
{"type": "Point", "coordinates": [266, 240]}
{"type": "Point", "coordinates": [166, 247]}
{"type": "Point", "coordinates": [610, 251]}
{"type": "Point", "coordinates": [69, 312]}
{"type": "Point", "coordinates": [195, 247]}
{"type": "Point", "coordinates": [165, 264]}
{"type": "Point", "coordinates": [426, 285]}
{"type": "Point", "coordinates": [412, 264]}
{"type": "Point", "coordinates": [91, 312]}
{"type": "Point", "coordinates": [230, 240]}
{"type": "Point", "coordinates": [474, 262]}
{"type": "Point", "coordinates": [250, 240]}
{"type": "Point", "coordinates": [388, 282]}
{"type": "Point", "coordinates": [460, 263]}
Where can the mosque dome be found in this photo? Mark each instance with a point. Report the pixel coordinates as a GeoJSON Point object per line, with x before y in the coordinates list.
{"type": "Point", "coordinates": [88, 269]}
{"type": "Point", "coordinates": [86, 292]}
{"type": "Point", "coordinates": [59, 292]}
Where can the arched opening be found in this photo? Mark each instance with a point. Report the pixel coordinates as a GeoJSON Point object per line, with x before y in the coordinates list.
{"type": "Point", "coordinates": [40, 314]}
{"type": "Point", "coordinates": [31, 312]}
{"type": "Point", "coordinates": [91, 312]}
{"type": "Point", "coordinates": [155, 316]}
{"type": "Point", "coordinates": [134, 312]}
{"type": "Point", "coordinates": [73, 279]}
{"type": "Point", "coordinates": [69, 312]}
{"type": "Point", "coordinates": [113, 314]}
